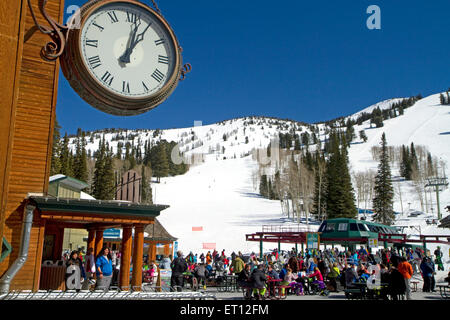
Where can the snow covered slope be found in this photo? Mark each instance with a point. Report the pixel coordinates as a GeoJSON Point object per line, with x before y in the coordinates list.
{"type": "Point", "coordinates": [220, 195]}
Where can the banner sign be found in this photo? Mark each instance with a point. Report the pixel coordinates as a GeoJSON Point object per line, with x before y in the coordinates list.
{"type": "Point", "coordinates": [175, 249]}
{"type": "Point", "coordinates": [111, 233]}
{"type": "Point", "coordinates": [165, 276]}
{"type": "Point", "coordinates": [373, 243]}
{"type": "Point", "coordinates": [313, 240]}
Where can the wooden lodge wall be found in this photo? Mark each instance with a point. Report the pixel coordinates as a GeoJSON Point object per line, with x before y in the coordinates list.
{"type": "Point", "coordinates": [28, 91]}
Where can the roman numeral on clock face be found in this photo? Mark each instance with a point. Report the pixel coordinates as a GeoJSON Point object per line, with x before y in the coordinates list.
{"type": "Point", "coordinates": [158, 75]}
{"type": "Point", "coordinates": [94, 62]}
{"type": "Point", "coordinates": [160, 41]}
{"type": "Point", "coordinates": [125, 87]}
{"type": "Point", "coordinates": [145, 87]}
{"type": "Point", "coordinates": [163, 59]}
{"type": "Point", "coordinates": [92, 43]}
{"type": "Point", "coordinates": [133, 17]}
{"type": "Point", "coordinates": [107, 78]}
{"type": "Point", "coordinates": [100, 27]}
{"type": "Point", "coordinates": [112, 15]}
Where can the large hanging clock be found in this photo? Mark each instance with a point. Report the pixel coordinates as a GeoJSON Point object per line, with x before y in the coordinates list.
{"type": "Point", "coordinates": [121, 57]}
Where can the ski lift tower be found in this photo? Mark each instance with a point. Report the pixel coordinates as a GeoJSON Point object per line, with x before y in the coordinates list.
{"type": "Point", "coordinates": [436, 182]}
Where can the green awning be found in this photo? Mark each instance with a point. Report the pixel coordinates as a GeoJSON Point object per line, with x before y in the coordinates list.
{"type": "Point", "coordinates": [99, 207]}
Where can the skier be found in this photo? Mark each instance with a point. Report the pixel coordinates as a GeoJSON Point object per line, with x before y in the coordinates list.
{"type": "Point", "coordinates": [438, 260]}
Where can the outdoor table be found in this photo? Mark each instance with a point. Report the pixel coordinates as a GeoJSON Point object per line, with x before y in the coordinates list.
{"type": "Point", "coordinates": [414, 286]}
{"type": "Point", "coordinates": [444, 290]}
{"type": "Point", "coordinates": [272, 288]}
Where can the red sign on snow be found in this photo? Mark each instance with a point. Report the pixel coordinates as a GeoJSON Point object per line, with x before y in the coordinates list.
{"type": "Point", "coordinates": [209, 246]}
{"type": "Point", "coordinates": [197, 228]}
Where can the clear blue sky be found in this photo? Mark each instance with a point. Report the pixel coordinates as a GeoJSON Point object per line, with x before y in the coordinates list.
{"type": "Point", "coordinates": [303, 60]}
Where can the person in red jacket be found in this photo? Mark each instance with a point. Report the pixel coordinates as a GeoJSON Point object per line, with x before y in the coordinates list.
{"type": "Point", "coordinates": [406, 270]}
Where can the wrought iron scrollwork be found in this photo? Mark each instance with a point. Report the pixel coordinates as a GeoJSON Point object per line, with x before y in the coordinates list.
{"type": "Point", "coordinates": [57, 32]}
{"type": "Point", "coordinates": [185, 70]}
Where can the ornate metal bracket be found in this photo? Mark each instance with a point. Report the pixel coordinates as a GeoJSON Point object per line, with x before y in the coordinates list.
{"type": "Point", "coordinates": [57, 32]}
{"type": "Point", "coordinates": [185, 70]}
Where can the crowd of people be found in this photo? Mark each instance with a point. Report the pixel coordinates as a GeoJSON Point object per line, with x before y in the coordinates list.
{"type": "Point", "coordinates": [315, 271]}
{"type": "Point", "coordinates": [102, 271]}
{"type": "Point", "coordinates": [308, 272]}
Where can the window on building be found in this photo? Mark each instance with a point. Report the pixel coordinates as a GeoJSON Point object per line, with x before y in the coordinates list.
{"type": "Point", "coordinates": [322, 227]}
{"type": "Point", "coordinates": [362, 227]}
{"type": "Point", "coordinates": [343, 227]}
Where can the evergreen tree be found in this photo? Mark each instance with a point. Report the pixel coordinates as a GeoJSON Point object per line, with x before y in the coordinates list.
{"type": "Point", "coordinates": [80, 170]}
{"type": "Point", "coordinates": [362, 135]}
{"type": "Point", "coordinates": [65, 157]}
{"type": "Point", "coordinates": [430, 168]}
{"type": "Point", "coordinates": [349, 132]}
{"type": "Point", "coordinates": [104, 178]}
{"type": "Point", "coordinates": [320, 187]}
{"type": "Point", "coordinates": [264, 186]}
{"type": "Point", "coordinates": [340, 198]}
{"type": "Point", "coordinates": [384, 194]}
{"type": "Point", "coordinates": [146, 189]}
{"type": "Point", "coordinates": [413, 158]}
{"type": "Point", "coordinates": [297, 143]}
{"type": "Point", "coordinates": [159, 161]}
{"type": "Point", "coordinates": [100, 162]}
{"type": "Point", "coordinates": [55, 167]}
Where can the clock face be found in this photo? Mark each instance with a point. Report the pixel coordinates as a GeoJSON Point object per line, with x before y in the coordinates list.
{"type": "Point", "coordinates": [127, 50]}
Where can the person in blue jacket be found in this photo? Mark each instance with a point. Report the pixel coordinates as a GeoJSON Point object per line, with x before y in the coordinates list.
{"type": "Point", "coordinates": [427, 273]}
{"type": "Point", "coordinates": [103, 268]}
{"type": "Point", "coordinates": [282, 272]}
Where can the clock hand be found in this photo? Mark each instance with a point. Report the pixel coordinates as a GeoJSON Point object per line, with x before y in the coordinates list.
{"type": "Point", "coordinates": [125, 58]}
{"type": "Point", "coordinates": [140, 36]}
{"type": "Point", "coordinates": [135, 40]}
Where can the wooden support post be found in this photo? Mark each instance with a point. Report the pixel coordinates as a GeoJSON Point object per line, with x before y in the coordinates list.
{"type": "Point", "coordinates": [260, 248]}
{"type": "Point", "coordinates": [91, 240]}
{"type": "Point", "coordinates": [151, 251]}
{"type": "Point", "coordinates": [98, 241]}
{"type": "Point", "coordinates": [138, 252]}
{"type": "Point", "coordinates": [124, 281]}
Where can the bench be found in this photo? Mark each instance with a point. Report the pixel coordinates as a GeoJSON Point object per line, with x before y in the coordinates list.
{"type": "Point", "coordinates": [353, 293]}
{"type": "Point", "coordinates": [444, 290]}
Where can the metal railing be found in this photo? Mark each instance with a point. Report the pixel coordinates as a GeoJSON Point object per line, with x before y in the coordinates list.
{"type": "Point", "coordinates": [144, 293]}
{"type": "Point", "coordinates": [280, 229]}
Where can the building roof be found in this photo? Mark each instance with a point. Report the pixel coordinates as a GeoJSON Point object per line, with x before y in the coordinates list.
{"type": "Point", "coordinates": [99, 207]}
{"type": "Point", "coordinates": [69, 181]}
{"type": "Point", "coordinates": [157, 232]}
{"type": "Point", "coordinates": [445, 223]}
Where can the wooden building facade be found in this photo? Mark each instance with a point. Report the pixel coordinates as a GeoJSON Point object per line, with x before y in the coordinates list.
{"type": "Point", "coordinates": [28, 87]}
